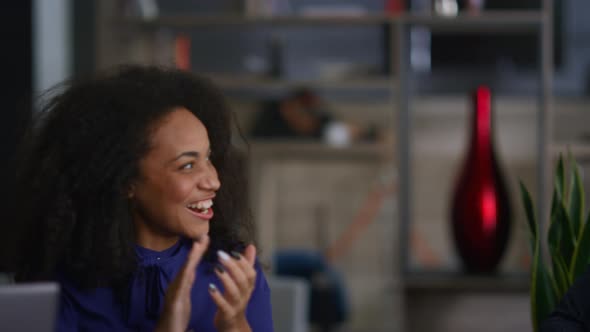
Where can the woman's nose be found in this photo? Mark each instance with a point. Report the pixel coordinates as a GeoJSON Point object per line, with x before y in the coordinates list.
{"type": "Point", "coordinates": [210, 181]}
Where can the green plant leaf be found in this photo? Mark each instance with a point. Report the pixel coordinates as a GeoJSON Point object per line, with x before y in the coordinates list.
{"type": "Point", "coordinates": [560, 273]}
{"type": "Point", "coordinates": [554, 235]}
{"type": "Point", "coordinates": [576, 199]}
{"type": "Point", "coordinates": [530, 214]}
{"type": "Point", "coordinates": [544, 288]}
{"type": "Point", "coordinates": [567, 242]}
{"type": "Point", "coordinates": [543, 298]}
{"type": "Point", "coordinates": [581, 256]}
{"type": "Point", "coordinates": [560, 178]}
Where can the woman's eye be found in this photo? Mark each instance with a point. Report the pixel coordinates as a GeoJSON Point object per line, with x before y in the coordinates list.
{"type": "Point", "coordinates": [187, 166]}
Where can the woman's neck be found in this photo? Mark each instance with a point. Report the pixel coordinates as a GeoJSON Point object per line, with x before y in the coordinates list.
{"type": "Point", "coordinates": [153, 240]}
{"type": "Point", "coordinates": [157, 244]}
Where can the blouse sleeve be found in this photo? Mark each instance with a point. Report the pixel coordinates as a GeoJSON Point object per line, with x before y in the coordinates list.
{"type": "Point", "coordinates": [259, 312]}
{"type": "Point", "coordinates": [67, 318]}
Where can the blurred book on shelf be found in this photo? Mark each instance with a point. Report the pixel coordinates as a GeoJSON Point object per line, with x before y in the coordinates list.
{"type": "Point", "coordinates": [182, 52]}
{"type": "Point", "coordinates": [145, 9]}
{"type": "Point", "coordinates": [265, 8]}
{"type": "Point", "coordinates": [319, 8]}
{"type": "Point", "coordinates": [395, 6]}
{"type": "Point", "coordinates": [333, 10]}
{"type": "Point", "coordinates": [153, 9]}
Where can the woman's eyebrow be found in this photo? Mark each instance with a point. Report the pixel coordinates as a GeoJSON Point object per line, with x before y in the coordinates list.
{"type": "Point", "coordinates": [193, 154]}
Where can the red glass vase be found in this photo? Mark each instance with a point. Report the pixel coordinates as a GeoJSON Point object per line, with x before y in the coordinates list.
{"type": "Point", "coordinates": [480, 210]}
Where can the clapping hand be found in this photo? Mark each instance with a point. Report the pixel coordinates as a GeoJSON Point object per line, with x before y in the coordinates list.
{"type": "Point", "coordinates": [238, 276]}
{"type": "Point", "coordinates": [177, 303]}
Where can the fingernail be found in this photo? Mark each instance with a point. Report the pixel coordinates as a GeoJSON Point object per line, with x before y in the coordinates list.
{"type": "Point", "coordinates": [235, 254]}
{"type": "Point", "coordinates": [223, 255]}
{"type": "Point", "coordinates": [219, 268]}
{"type": "Point", "coordinates": [212, 288]}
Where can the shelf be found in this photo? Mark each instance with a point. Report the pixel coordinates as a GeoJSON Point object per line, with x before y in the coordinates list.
{"type": "Point", "coordinates": [496, 21]}
{"type": "Point", "coordinates": [253, 87]}
{"type": "Point", "coordinates": [459, 282]}
{"type": "Point", "coordinates": [235, 82]}
{"type": "Point", "coordinates": [310, 150]}
{"type": "Point", "coordinates": [491, 21]}
{"type": "Point", "coordinates": [580, 151]}
{"type": "Point", "coordinates": [189, 21]}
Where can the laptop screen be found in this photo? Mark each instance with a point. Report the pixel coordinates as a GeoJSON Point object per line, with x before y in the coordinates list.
{"type": "Point", "coordinates": [28, 307]}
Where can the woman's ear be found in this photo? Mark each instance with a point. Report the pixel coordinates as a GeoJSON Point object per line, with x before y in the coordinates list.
{"type": "Point", "coordinates": [130, 191]}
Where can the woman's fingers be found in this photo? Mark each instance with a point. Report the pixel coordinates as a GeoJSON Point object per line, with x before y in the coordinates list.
{"type": "Point", "coordinates": [222, 304]}
{"type": "Point", "coordinates": [250, 254]}
{"type": "Point", "coordinates": [250, 259]}
{"type": "Point", "coordinates": [187, 273]}
{"type": "Point", "coordinates": [238, 268]}
{"type": "Point", "coordinates": [232, 291]}
{"type": "Point", "coordinates": [246, 263]}
{"type": "Point", "coordinates": [177, 305]}
{"type": "Point", "coordinates": [238, 276]}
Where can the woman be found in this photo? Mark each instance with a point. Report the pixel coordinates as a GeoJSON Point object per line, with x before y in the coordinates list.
{"type": "Point", "coordinates": [120, 199]}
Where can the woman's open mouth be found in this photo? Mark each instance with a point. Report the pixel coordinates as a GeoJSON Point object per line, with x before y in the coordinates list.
{"type": "Point", "coordinates": [202, 209]}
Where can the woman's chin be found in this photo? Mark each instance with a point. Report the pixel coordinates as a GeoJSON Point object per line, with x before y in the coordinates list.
{"type": "Point", "coordinates": [196, 232]}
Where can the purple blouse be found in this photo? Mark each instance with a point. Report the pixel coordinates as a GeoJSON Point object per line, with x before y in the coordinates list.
{"type": "Point", "coordinates": [100, 309]}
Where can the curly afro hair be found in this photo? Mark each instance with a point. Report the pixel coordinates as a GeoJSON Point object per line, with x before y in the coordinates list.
{"type": "Point", "coordinates": [70, 209]}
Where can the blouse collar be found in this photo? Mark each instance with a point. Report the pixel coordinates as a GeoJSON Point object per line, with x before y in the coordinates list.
{"type": "Point", "coordinates": [148, 256]}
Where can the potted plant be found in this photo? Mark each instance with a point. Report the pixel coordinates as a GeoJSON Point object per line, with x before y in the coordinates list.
{"type": "Point", "coordinates": [568, 241]}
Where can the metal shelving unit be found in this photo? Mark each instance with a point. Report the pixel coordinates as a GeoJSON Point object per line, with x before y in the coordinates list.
{"type": "Point", "coordinates": [539, 22]}
{"type": "Point", "coordinates": [400, 83]}
{"type": "Point", "coordinates": [236, 82]}
{"type": "Point", "coordinates": [494, 21]}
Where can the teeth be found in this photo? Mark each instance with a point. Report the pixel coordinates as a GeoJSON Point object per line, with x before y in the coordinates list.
{"type": "Point", "coordinates": [202, 205]}
{"type": "Point", "coordinates": [205, 204]}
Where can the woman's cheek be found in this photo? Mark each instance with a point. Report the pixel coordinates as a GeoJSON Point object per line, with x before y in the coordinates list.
{"type": "Point", "coordinates": [182, 190]}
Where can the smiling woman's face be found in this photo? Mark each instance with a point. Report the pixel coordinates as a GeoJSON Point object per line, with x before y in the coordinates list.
{"type": "Point", "coordinates": [177, 183]}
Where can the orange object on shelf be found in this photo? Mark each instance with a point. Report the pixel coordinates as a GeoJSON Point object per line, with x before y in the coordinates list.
{"type": "Point", "coordinates": [182, 52]}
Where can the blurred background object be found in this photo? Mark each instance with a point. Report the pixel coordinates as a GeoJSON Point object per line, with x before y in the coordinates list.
{"type": "Point", "coordinates": [446, 7]}
{"type": "Point", "coordinates": [481, 212]}
{"type": "Point", "coordinates": [303, 116]}
{"type": "Point", "coordinates": [20, 303]}
{"type": "Point", "coordinates": [396, 72]}
{"type": "Point", "coordinates": [17, 87]}
{"type": "Point", "coordinates": [290, 303]}
{"type": "Point", "coordinates": [298, 116]}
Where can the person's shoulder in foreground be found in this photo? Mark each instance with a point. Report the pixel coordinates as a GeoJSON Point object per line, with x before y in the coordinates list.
{"type": "Point", "coordinates": [573, 312]}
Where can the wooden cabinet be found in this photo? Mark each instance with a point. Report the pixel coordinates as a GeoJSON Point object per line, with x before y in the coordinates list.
{"type": "Point", "coordinates": [308, 196]}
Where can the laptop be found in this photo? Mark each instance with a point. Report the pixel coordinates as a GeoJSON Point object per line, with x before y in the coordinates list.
{"type": "Point", "coordinates": [28, 307]}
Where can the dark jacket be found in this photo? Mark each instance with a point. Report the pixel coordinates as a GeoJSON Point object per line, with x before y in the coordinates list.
{"type": "Point", "coordinates": [573, 312]}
